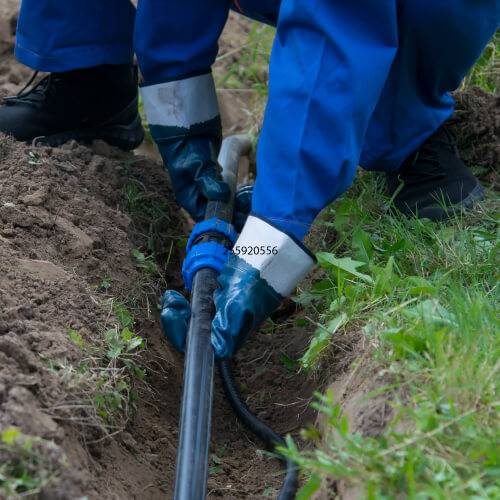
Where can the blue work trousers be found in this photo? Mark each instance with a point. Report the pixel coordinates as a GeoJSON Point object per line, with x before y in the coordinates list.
{"type": "Point", "coordinates": [351, 82]}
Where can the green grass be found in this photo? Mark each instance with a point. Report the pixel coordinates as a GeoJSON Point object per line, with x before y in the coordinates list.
{"type": "Point", "coordinates": [27, 464]}
{"type": "Point", "coordinates": [250, 69]}
{"type": "Point", "coordinates": [426, 297]}
{"type": "Point", "coordinates": [245, 69]}
{"type": "Point", "coordinates": [160, 236]}
{"type": "Point", "coordinates": [101, 387]}
{"type": "Point", "coordinates": [486, 71]}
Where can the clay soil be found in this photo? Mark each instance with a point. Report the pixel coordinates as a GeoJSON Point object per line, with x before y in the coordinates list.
{"type": "Point", "coordinates": [66, 227]}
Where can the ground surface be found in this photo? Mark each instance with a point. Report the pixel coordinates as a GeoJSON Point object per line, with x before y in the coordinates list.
{"type": "Point", "coordinates": [65, 227]}
{"type": "Point", "coordinates": [61, 234]}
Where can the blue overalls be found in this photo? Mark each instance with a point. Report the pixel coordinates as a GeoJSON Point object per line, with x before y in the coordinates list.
{"type": "Point", "coordinates": [351, 82]}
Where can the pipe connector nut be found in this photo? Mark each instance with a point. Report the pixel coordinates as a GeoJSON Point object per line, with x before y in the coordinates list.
{"type": "Point", "coordinates": [210, 225]}
{"type": "Point", "coordinates": [208, 253]}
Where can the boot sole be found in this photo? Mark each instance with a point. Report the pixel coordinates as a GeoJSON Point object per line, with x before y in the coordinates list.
{"type": "Point", "coordinates": [125, 137]}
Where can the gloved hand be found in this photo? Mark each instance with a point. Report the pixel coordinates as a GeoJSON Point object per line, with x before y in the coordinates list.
{"type": "Point", "coordinates": [175, 314]}
{"type": "Point", "coordinates": [265, 267]}
{"type": "Point", "coordinates": [253, 283]}
{"type": "Point", "coordinates": [184, 120]}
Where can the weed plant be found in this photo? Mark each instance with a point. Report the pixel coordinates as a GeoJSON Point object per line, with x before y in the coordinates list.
{"type": "Point", "coordinates": [100, 388]}
{"type": "Point", "coordinates": [27, 464]}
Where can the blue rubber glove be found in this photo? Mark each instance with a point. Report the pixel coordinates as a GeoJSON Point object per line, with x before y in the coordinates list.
{"type": "Point", "coordinates": [175, 314]}
{"type": "Point", "coordinates": [252, 286]}
{"type": "Point", "coordinates": [242, 206]}
{"type": "Point", "coordinates": [184, 120]}
{"type": "Point", "coordinates": [254, 282]}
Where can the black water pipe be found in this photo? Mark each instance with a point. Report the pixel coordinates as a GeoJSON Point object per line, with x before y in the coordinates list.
{"type": "Point", "coordinates": [194, 434]}
{"type": "Point", "coordinates": [270, 437]}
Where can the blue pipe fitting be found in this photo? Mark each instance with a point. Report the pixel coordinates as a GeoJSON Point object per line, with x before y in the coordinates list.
{"type": "Point", "coordinates": [207, 254]}
{"type": "Point", "coordinates": [212, 224]}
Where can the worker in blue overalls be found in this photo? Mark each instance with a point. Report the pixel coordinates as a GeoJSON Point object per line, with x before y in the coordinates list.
{"type": "Point", "coordinates": [363, 82]}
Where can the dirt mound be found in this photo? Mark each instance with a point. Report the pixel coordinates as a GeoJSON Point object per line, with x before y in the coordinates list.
{"type": "Point", "coordinates": [61, 234]}
{"type": "Point", "coordinates": [70, 220]}
{"type": "Point", "coordinates": [479, 131]}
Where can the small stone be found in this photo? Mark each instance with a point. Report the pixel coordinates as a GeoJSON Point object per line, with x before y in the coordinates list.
{"type": "Point", "coordinates": [27, 311]}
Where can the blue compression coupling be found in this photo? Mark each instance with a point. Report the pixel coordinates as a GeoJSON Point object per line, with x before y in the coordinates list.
{"type": "Point", "coordinates": [207, 254]}
{"type": "Point", "coordinates": [212, 224]}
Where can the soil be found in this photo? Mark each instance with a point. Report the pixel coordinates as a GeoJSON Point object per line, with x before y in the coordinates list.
{"type": "Point", "coordinates": [478, 130]}
{"type": "Point", "coordinates": [66, 228]}
{"type": "Point", "coordinates": [62, 231]}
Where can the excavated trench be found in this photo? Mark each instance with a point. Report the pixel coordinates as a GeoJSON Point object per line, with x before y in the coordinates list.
{"type": "Point", "coordinates": [70, 220]}
{"type": "Point", "coordinates": [66, 248]}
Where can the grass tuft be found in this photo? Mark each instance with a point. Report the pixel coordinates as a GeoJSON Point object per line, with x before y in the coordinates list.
{"type": "Point", "coordinates": [100, 389]}
{"type": "Point", "coordinates": [486, 71]}
{"type": "Point", "coordinates": [426, 296]}
{"type": "Point", "coordinates": [27, 464]}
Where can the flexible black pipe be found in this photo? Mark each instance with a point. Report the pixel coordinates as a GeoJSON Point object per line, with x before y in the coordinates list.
{"type": "Point", "coordinates": [271, 438]}
{"type": "Point", "coordinates": [194, 433]}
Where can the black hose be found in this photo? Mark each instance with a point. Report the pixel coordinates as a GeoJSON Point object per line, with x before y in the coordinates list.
{"type": "Point", "coordinates": [271, 438]}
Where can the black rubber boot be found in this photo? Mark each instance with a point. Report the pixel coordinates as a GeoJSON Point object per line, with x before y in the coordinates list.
{"type": "Point", "coordinates": [436, 183]}
{"type": "Point", "coordinates": [85, 104]}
